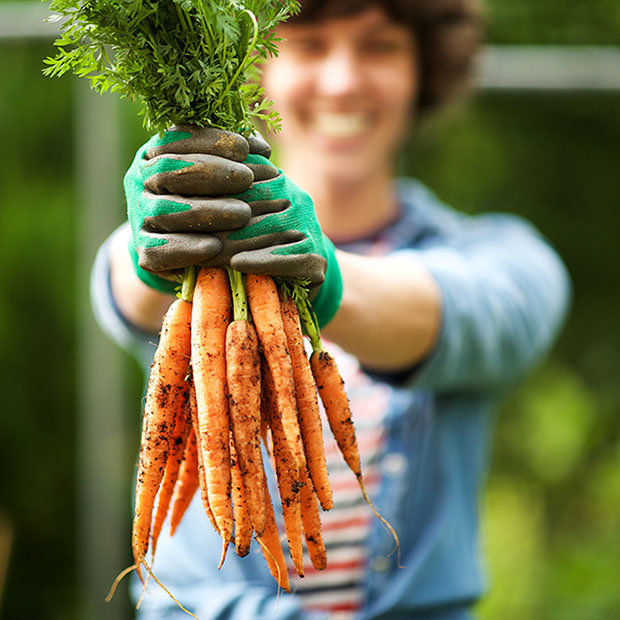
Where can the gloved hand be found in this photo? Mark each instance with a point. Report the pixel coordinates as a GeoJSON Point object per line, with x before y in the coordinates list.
{"type": "Point", "coordinates": [175, 188]}
{"type": "Point", "coordinates": [190, 202]}
{"type": "Point", "coordinates": [284, 238]}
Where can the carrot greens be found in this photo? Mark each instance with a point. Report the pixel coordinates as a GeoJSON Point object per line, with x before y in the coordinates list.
{"type": "Point", "coordinates": [182, 61]}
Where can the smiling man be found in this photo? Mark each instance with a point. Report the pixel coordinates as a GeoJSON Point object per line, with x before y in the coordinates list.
{"type": "Point", "coordinates": [432, 314]}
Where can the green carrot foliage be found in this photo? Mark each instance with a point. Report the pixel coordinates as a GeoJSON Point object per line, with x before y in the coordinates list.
{"type": "Point", "coordinates": [182, 61]}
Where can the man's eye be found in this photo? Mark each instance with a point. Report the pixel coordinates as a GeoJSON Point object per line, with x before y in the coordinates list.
{"type": "Point", "coordinates": [306, 45]}
{"type": "Point", "coordinates": [383, 46]}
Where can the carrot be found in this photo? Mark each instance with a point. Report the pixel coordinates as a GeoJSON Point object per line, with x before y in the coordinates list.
{"type": "Point", "coordinates": [202, 480]}
{"type": "Point", "coordinates": [270, 545]}
{"type": "Point", "coordinates": [244, 385]}
{"type": "Point", "coordinates": [311, 521]}
{"type": "Point", "coordinates": [289, 482]}
{"type": "Point", "coordinates": [187, 481]}
{"type": "Point", "coordinates": [265, 306]}
{"type": "Point", "coordinates": [334, 398]}
{"type": "Point", "coordinates": [336, 404]}
{"type": "Point", "coordinates": [307, 404]}
{"type": "Point", "coordinates": [177, 448]}
{"type": "Point", "coordinates": [210, 318]}
{"type": "Point", "coordinates": [241, 510]}
{"type": "Point", "coordinates": [166, 388]}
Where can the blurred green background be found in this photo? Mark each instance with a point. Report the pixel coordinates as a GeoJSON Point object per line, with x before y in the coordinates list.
{"type": "Point", "coordinates": [551, 511]}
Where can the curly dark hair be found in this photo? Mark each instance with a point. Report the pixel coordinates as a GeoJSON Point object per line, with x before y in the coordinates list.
{"type": "Point", "coordinates": [448, 34]}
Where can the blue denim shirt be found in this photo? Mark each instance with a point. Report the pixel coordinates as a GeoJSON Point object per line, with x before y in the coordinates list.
{"type": "Point", "coordinates": [504, 295]}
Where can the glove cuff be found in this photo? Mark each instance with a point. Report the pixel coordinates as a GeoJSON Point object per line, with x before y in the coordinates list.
{"type": "Point", "coordinates": [150, 279]}
{"type": "Point", "coordinates": [327, 301]}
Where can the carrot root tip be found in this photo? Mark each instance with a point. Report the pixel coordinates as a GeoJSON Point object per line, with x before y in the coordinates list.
{"type": "Point", "coordinates": [117, 580]}
{"type": "Point", "coordinates": [163, 587]}
{"type": "Point", "coordinates": [225, 542]}
{"type": "Point", "coordinates": [277, 566]}
{"type": "Point", "coordinates": [385, 522]}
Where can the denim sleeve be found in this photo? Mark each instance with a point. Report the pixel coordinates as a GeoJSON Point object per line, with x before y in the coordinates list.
{"type": "Point", "coordinates": [505, 294]}
{"type": "Point", "coordinates": [135, 341]}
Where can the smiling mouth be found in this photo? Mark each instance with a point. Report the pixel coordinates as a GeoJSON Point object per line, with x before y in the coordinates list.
{"type": "Point", "coordinates": [341, 125]}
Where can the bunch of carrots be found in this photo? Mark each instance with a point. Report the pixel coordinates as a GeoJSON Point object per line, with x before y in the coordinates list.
{"type": "Point", "coordinates": [231, 367]}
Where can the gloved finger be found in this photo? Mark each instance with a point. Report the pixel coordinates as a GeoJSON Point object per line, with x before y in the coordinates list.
{"type": "Point", "coordinates": [188, 139]}
{"type": "Point", "coordinates": [266, 261]}
{"type": "Point", "coordinates": [259, 146]}
{"type": "Point", "coordinates": [196, 175]}
{"type": "Point", "coordinates": [231, 247]}
{"type": "Point", "coordinates": [181, 214]}
{"type": "Point", "coordinates": [262, 172]}
{"type": "Point", "coordinates": [265, 207]}
{"type": "Point", "coordinates": [268, 216]}
{"type": "Point", "coordinates": [262, 168]}
{"type": "Point", "coordinates": [176, 251]}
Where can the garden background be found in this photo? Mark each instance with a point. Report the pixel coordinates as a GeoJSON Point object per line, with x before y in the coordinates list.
{"type": "Point", "coordinates": [552, 506]}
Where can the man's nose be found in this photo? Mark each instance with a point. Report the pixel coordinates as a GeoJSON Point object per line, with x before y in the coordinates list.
{"type": "Point", "coordinates": [341, 72]}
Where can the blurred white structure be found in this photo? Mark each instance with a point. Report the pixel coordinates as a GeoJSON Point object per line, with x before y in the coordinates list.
{"type": "Point", "coordinates": [548, 67]}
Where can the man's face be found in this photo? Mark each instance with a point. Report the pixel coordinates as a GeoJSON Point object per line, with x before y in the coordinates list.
{"type": "Point", "coordinates": [345, 89]}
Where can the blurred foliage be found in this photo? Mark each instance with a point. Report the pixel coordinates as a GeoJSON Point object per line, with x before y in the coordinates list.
{"type": "Point", "coordinates": [37, 333]}
{"type": "Point", "coordinates": [558, 22]}
{"type": "Point", "coordinates": [551, 519]}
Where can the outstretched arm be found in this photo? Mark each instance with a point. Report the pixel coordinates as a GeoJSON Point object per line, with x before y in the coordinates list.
{"type": "Point", "coordinates": [139, 304]}
{"type": "Point", "coordinates": [390, 311]}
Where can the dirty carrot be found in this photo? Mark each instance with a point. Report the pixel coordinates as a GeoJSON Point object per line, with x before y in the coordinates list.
{"type": "Point", "coordinates": [334, 398]}
{"type": "Point", "coordinates": [307, 403]}
{"type": "Point", "coordinates": [288, 476]}
{"type": "Point", "coordinates": [187, 481]}
{"type": "Point", "coordinates": [265, 307]}
{"type": "Point", "coordinates": [241, 511]}
{"type": "Point", "coordinates": [211, 315]}
{"type": "Point", "coordinates": [166, 387]}
{"type": "Point", "coordinates": [311, 521]}
{"type": "Point", "coordinates": [175, 457]}
{"type": "Point", "coordinates": [202, 480]}
{"type": "Point", "coordinates": [270, 545]}
{"type": "Point", "coordinates": [244, 386]}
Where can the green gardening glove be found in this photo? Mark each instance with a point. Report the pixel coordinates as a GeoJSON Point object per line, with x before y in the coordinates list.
{"type": "Point", "coordinates": [176, 191]}
{"type": "Point", "coordinates": [284, 238]}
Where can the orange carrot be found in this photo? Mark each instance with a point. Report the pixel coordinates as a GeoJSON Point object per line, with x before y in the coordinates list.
{"type": "Point", "coordinates": [311, 521]}
{"type": "Point", "coordinates": [267, 316]}
{"type": "Point", "coordinates": [202, 480]}
{"type": "Point", "coordinates": [210, 318]}
{"type": "Point", "coordinates": [177, 448]}
{"type": "Point", "coordinates": [289, 483]}
{"type": "Point", "coordinates": [187, 481]}
{"type": "Point", "coordinates": [336, 404]}
{"type": "Point", "coordinates": [241, 510]}
{"type": "Point", "coordinates": [307, 404]}
{"type": "Point", "coordinates": [166, 388]}
{"type": "Point", "coordinates": [243, 372]}
{"type": "Point", "coordinates": [270, 545]}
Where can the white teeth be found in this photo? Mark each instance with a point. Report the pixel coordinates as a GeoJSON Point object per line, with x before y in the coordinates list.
{"type": "Point", "coordinates": [334, 125]}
